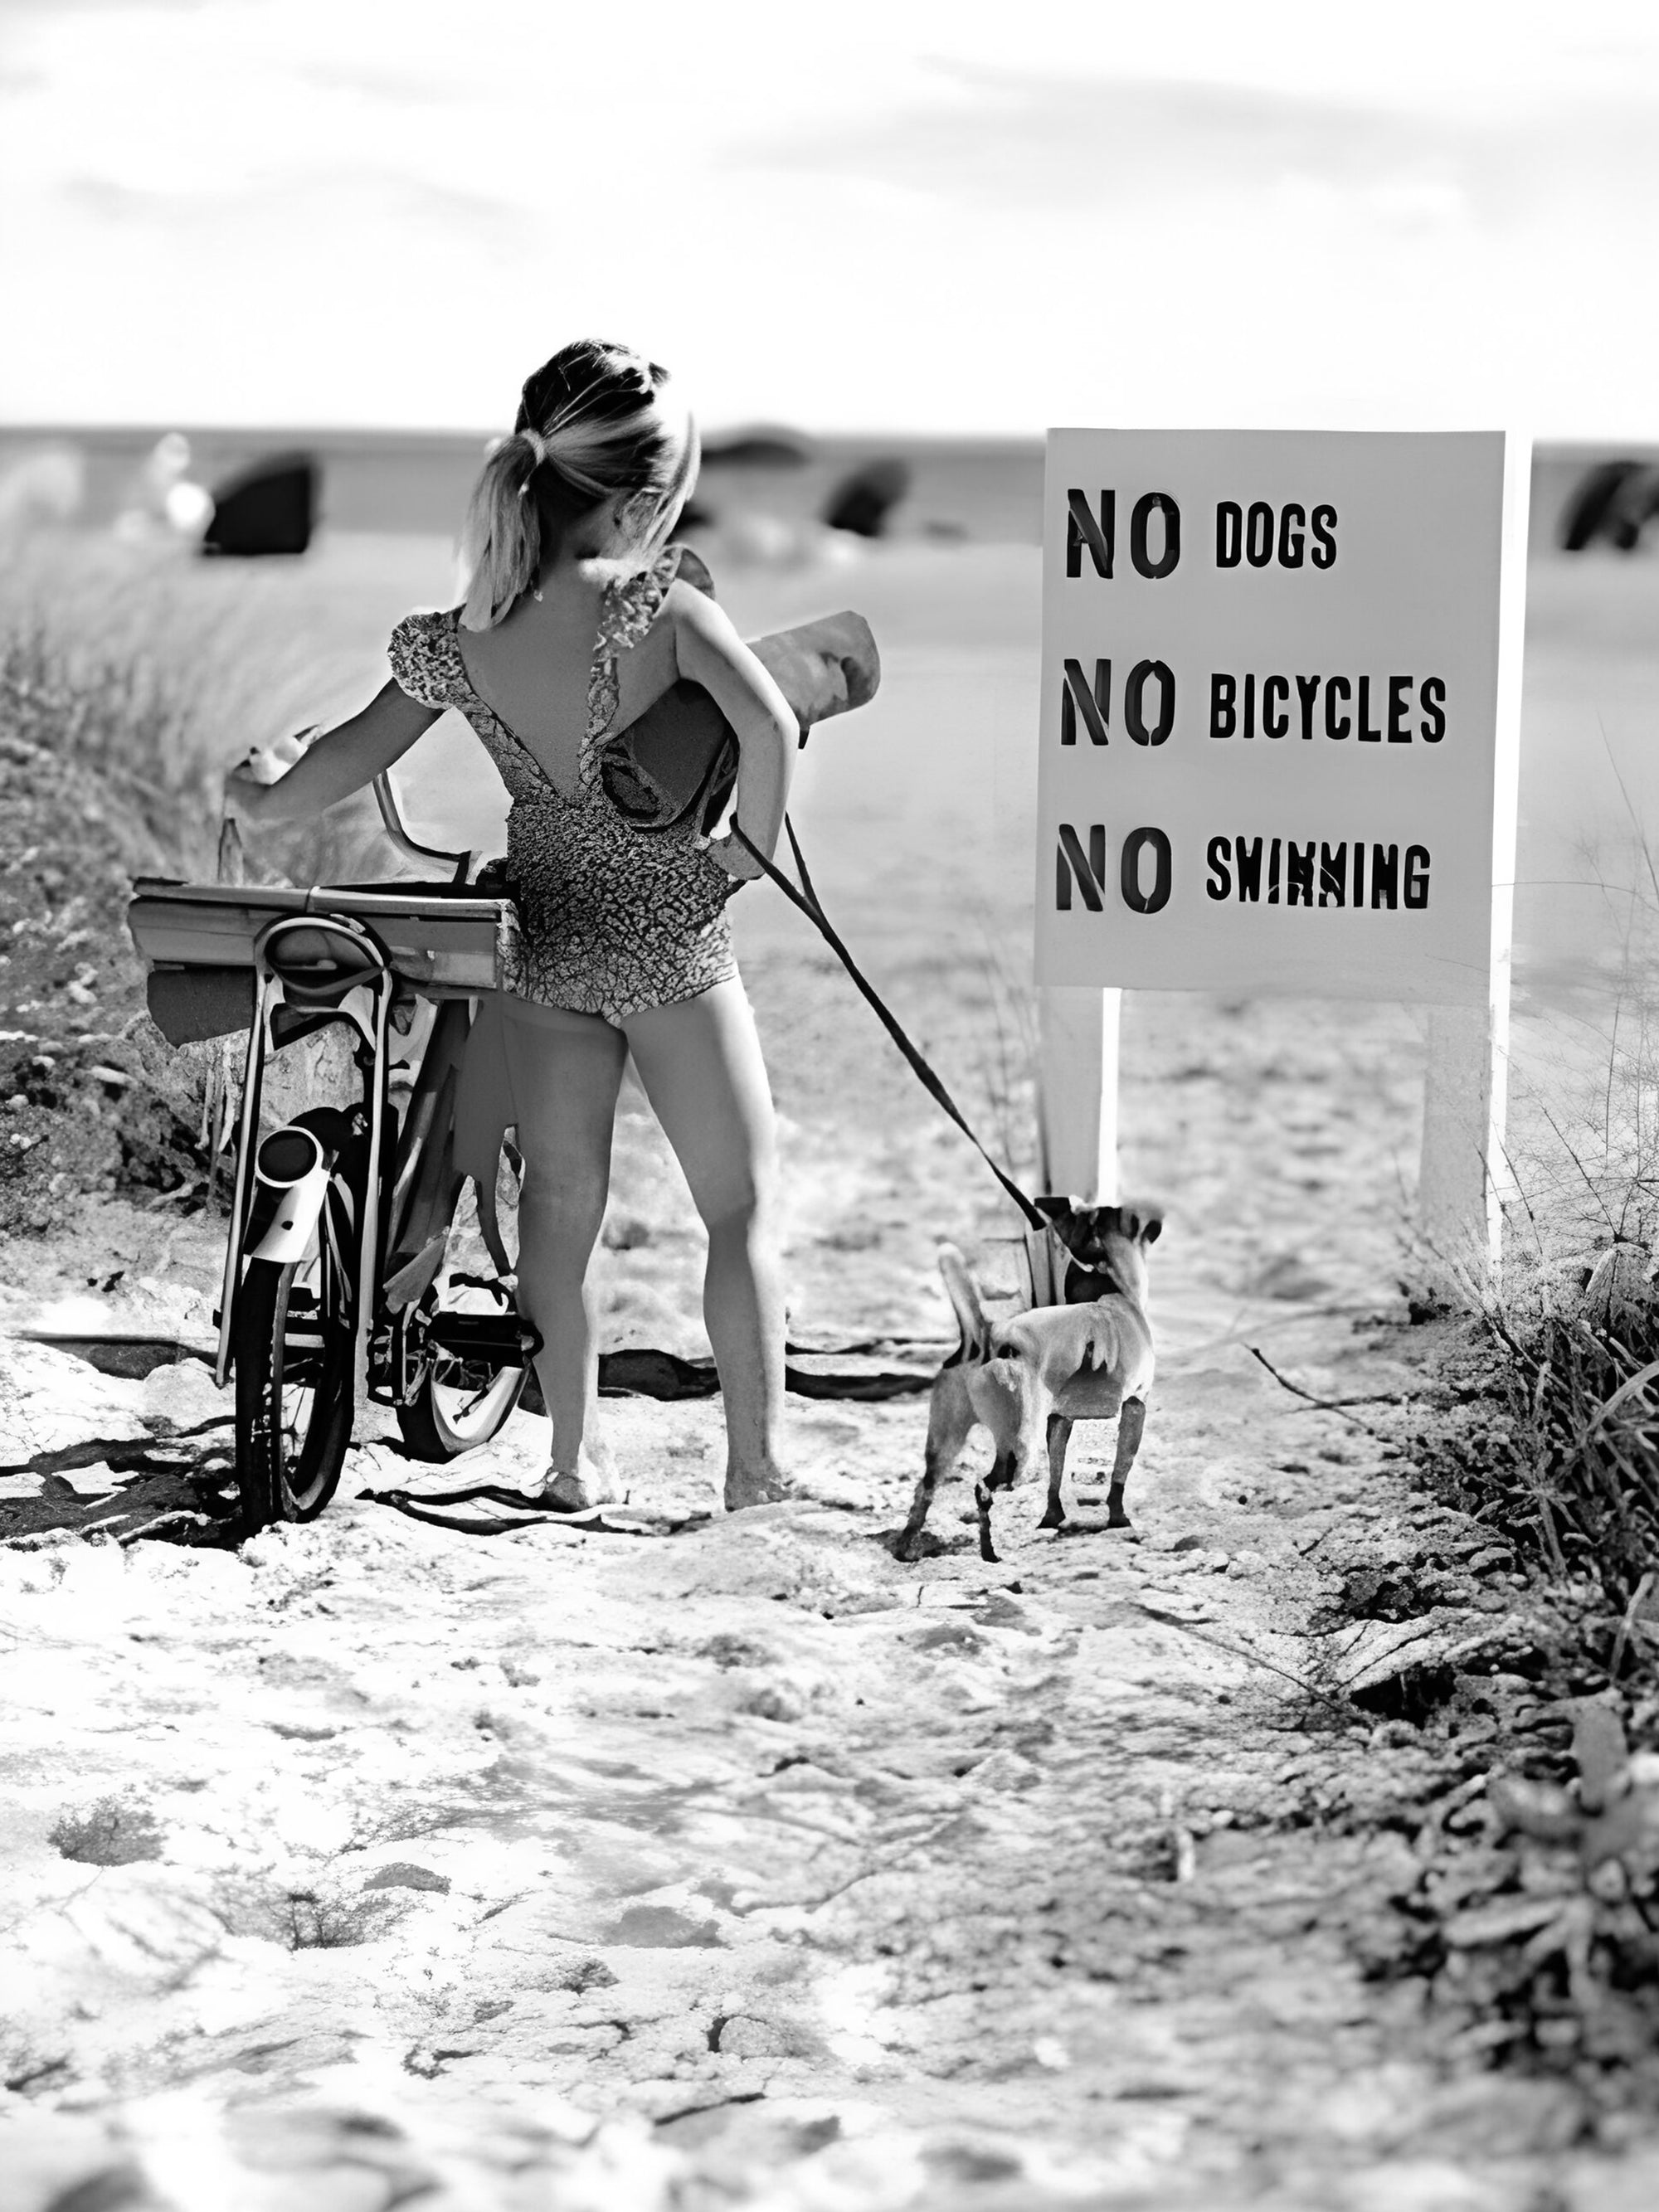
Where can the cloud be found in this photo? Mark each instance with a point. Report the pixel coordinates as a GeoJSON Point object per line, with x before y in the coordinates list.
{"type": "Point", "coordinates": [397, 86]}
{"type": "Point", "coordinates": [417, 207]}
{"type": "Point", "coordinates": [109, 7]}
{"type": "Point", "coordinates": [1018, 140]}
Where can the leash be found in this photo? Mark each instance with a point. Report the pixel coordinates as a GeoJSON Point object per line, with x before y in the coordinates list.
{"type": "Point", "coordinates": [807, 900]}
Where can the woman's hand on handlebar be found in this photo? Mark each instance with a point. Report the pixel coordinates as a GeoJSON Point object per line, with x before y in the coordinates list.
{"type": "Point", "coordinates": [247, 783]}
{"type": "Point", "coordinates": [301, 776]}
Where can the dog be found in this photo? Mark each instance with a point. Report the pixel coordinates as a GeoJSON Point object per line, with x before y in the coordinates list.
{"type": "Point", "coordinates": [1028, 1377]}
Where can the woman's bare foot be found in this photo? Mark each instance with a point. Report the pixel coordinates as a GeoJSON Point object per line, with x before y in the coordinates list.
{"type": "Point", "coordinates": [746, 1486]}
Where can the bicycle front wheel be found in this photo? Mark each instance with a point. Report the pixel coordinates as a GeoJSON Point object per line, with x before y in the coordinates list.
{"type": "Point", "coordinates": [294, 1357]}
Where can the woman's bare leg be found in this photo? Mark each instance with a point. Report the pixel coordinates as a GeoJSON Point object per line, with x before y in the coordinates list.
{"type": "Point", "coordinates": [566, 1071]}
{"type": "Point", "coordinates": [701, 1065]}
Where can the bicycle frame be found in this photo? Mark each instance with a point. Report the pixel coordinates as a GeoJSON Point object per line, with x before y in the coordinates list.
{"type": "Point", "coordinates": [369, 1017]}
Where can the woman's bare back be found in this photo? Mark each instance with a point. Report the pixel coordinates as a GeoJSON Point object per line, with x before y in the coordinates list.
{"type": "Point", "coordinates": [534, 671]}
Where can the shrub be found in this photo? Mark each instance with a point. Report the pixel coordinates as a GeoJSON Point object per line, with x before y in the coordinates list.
{"type": "Point", "coordinates": [111, 1832]}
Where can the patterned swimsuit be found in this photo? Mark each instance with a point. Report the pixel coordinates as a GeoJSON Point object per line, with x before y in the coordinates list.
{"type": "Point", "coordinates": [614, 920]}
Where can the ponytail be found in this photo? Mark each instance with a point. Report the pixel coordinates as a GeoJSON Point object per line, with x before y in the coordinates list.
{"type": "Point", "coordinates": [591, 428]}
{"type": "Point", "coordinates": [501, 535]}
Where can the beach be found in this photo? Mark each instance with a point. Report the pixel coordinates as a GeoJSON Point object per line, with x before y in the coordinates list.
{"type": "Point", "coordinates": [701, 1859]}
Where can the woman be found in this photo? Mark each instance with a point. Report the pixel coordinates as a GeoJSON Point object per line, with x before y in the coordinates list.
{"type": "Point", "coordinates": [573, 624]}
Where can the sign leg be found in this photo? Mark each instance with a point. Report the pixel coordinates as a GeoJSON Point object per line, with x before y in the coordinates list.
{"type": "Point", "coordinates": [1076, 1091]}
{"type": "Point", "coordinates": [1459, 1213]}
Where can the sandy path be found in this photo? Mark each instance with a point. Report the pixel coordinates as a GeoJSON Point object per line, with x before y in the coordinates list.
{"type": "Point", "coordinates": [863, 1871]}
{"type": "Point", "coordinates": [729, 1860]}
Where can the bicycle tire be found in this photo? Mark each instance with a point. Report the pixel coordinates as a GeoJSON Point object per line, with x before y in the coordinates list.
{"type": "Point", "coordinates": [460, 1403]}
{"type": "Point", "coordinates": [288, 1468]}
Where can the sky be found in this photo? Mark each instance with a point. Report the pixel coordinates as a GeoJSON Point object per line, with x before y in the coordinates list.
{"type": "Point", "coordinates": [871, 215]}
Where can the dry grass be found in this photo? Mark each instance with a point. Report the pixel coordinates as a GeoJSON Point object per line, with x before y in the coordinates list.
{"type": "Point", "coordinates": [157, 673]}
{"type": "Point", "coordinates": [118, 685]}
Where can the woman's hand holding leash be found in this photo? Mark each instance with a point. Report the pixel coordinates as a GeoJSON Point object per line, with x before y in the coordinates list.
{"type": "Point", "coordinates": [737, 856]}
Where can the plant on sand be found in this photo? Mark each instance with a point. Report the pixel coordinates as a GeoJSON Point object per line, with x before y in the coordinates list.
{"type": "Point", "coordinates": [111, 1832]}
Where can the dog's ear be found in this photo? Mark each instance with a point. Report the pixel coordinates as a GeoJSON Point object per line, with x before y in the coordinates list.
{"type": "Point", "coordinates": [1052, 1206]}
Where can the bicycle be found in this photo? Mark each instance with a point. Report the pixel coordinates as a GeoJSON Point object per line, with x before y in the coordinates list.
{"type": "Point", "coordinates": [342, 1272]}
{"type": "Point", "coordinates": [339, 1269]}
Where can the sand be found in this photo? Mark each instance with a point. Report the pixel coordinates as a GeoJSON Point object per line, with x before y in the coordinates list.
{"type": "Point", "coordinates": [728, 1860]}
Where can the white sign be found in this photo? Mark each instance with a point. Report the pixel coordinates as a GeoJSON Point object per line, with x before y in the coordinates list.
{"type": "Point", "coordinates": [1270, 712]}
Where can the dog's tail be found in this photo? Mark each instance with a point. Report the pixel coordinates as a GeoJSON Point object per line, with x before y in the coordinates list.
{"type": "Point", "coordinates": [963, 1294]}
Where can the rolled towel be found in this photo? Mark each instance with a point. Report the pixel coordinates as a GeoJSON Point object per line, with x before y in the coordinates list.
{"type": "Point", "coordinates": [680, 757]}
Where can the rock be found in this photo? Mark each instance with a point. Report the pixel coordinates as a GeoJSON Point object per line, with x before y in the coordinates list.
{"type": "Point", "coordinates": [1004, 1770]}
{"type": "Point", "coordinates": [1247, 1563]}
{"type": "Point", "coordinates": [49, 1400]}
{"type": "Point", "coordinates": [661, 1927]}
{"type": "Point", "coordinates": [1494, 1556]}
{"type": "Point", "coordinates": [744, 2037]}
{"type": "Point", "coordinates": [400, 1875]}
{"type": "Point", "coordinates": [183, 1395]}
{"type": "Point", "coordinates": [769, 1704]}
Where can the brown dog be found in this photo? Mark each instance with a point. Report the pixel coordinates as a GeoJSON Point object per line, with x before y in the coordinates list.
{"type": "Point", "coordinates": [1028, 1378]}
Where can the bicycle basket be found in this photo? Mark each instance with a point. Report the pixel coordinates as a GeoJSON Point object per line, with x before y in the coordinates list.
{"type": "Point", "coordinates": [443, 939]}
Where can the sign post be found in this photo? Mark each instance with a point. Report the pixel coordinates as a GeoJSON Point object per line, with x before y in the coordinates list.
{"type": "Point", "coordinates": [1077, 1091]}
{"type": "Point", "coordinates": [1278, 747]}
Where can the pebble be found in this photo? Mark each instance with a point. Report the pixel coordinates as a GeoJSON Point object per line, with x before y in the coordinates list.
{"type": "Point", "coordinates": [1247, 1562]}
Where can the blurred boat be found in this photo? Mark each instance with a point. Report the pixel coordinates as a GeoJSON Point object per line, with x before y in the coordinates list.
{"type": "Point", "coordinates": [268, 508]}
{"type": "Point", "coordinates": [1614, 500]}
{"type": "Point", "coordinates": [862, 502]}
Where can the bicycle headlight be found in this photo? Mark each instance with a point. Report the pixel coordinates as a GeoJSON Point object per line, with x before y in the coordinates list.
{"type": "Point", "coordinates": [286, 1157]}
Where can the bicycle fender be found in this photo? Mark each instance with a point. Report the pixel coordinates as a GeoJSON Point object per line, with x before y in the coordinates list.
{"type": "Point", "coordinates": [294, 1225]}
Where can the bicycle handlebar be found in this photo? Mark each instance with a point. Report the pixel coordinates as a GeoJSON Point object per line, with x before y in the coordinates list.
{"type": "Point", "coordinates": [398, 830]}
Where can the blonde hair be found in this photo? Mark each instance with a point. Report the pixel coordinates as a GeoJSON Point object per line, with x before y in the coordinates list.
{"type": "Point", "coordinates": [591, 428]}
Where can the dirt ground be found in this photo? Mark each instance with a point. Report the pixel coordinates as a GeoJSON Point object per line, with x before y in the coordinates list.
{"type": "Point", "coordinates": [700, 1861]}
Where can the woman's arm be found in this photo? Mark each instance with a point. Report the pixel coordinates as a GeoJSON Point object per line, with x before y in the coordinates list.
{"type": "Point", "coordinates": [709, 652]}
{"type": "Point", "coordinates": [342, 761]}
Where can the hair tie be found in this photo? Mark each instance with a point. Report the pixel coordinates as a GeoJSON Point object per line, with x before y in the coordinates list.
{"type": "Point", "coordinates": [537, 444]}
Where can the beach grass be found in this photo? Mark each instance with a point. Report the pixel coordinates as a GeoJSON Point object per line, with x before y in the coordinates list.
{"type": "Point", "coordinates": [1548, 1427]}
{"type": "Point", "coordinates": [119, 680]}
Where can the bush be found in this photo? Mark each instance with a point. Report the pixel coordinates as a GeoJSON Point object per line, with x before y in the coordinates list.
{"type": "Point", "coordinates": [85, 1107]}
{"type": "Point", "coordinates": [111, 756]}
